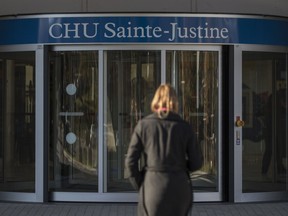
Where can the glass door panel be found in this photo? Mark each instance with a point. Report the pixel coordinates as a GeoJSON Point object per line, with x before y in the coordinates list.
{"type": "Point", "coordinates": [264, 108]}
{"type": "Point", "coordinates": [132, 78]}
{"type": "Point", "coordinates": [17, 122]}
{"type": "Point", "coordinates": [195, 76]}
{"type": "Point", "coordinates": [73, 161]}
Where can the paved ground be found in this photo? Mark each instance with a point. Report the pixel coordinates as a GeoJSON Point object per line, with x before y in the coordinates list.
{"type": "Point", "coordinates": [118, 209]}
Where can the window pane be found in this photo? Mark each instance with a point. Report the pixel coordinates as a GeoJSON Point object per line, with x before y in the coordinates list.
{"type": "Point", "coordinates": [264, 84]}
{"type": "Point", "coordinates": [195, 77]}
{"type": "Point", "coordinates": [132, 79]}
{"type": "Point", "coordinates": [74, 121]}
{"type": "Point", "coordinates": [17, 122]}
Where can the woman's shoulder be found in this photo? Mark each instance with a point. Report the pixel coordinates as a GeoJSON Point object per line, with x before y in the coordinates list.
{"type": "Point", "coordinates": [145, 122]}
{"type": "Point", "coordinates": [150, 117]}
{"type": "Point", "coordinates": [173, 117]}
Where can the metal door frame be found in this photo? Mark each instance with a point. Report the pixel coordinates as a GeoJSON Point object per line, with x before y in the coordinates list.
{"type": "Point", "coordinates": [41, 193]}
{"type": "Point", "coordinates": [235, 169]}
{"type": "Point", "coordinates": [103, 196]}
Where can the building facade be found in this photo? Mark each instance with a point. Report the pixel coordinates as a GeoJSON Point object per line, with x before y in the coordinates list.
{"type": "Point", "coordinates": [74, 85]}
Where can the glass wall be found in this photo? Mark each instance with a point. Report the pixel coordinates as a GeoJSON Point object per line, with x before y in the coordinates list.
{"type": "Point", "coordinates": [73, 150]}
{"type": "Point", "coordinates": [85, 156]}
{"type": "Point", "coordinates": [17, 122]}
{"type": "Point", "coordinates": [264, 92]}
{"type": "Point", "coordinates": [132, 78]}
{"type": "Point", "coordinates": [195, 76]}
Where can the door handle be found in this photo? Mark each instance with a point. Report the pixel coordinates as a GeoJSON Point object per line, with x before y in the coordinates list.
{"type": "Point", "coordinates": [239, 122]}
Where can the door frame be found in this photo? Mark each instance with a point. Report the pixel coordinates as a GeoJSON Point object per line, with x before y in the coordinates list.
{"type": "Point", "coordinates": [235, 150]}
{"type": "Point", "coordinates": [41, 193]}
{"type": "Point", "coordinates": [101, 195]}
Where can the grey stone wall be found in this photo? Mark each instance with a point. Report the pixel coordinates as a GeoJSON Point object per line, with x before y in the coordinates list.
{"type": "Point", "coordinates": [259, 7]}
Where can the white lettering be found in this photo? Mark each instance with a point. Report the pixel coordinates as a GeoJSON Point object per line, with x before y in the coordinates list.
{"type": "Point", "coordinates": [193, 32]}
{"type": "Point", "coordinates": [73, 29]}
{"type": "Point", "coordinates": [110, 28]}
{"type": "Point", "coordinates": [199, 31]}
{"type": "Point", "coordinates": [55, 28]}
{"type": "Point", "coordinates": [131, 32]}
{"type": "Point", "coordinates": [139, 31]}
{"type": "Point", "coordinates": [157, 32]}
{"type": "Point", "coordinates": [173, 31]}
{"type": "Point", "coordinates": [224, 33]}
{"type": "Point", "coordinates": [121, 32]}
{"type": "Point", "coordinates": [85, 31]}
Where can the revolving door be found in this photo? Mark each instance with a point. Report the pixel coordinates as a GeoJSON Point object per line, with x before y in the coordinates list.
{"type": "Point", "coordinates": [98, 96]}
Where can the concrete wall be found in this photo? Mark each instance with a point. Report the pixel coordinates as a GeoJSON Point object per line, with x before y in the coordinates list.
{"type": "Point", "coordinates": [266, 7]}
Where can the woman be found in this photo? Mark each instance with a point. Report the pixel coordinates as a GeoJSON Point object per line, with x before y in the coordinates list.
{"type": "Point", "coordinates": [167, 143]}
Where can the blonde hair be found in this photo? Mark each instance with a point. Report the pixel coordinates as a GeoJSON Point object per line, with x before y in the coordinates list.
{"type": "Point", "coordinates": [165, 100]}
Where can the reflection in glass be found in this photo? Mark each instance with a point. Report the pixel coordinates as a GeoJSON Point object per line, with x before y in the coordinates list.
{"type": "Point", "coordinates": [74, 121]}
{"type": "Point", "coordinates": [264, 96]}
{"type": "Point", "coordinates": [195, 76]}
{"type": "Point", "coordinates": [132, 78]}
{"type": "Point", "coordinates": [17, 122]}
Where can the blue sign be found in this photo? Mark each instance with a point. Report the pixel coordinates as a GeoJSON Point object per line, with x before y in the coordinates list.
{"type": "Point", "coordinates": [143, 29]}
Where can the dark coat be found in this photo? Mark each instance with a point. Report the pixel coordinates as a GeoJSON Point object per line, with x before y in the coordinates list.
{"type": "Point", "coordinates": [170, 151]}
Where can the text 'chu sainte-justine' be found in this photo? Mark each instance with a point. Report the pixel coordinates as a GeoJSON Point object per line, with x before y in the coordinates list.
{"type": "Point", "coordinates": [110, 30]}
